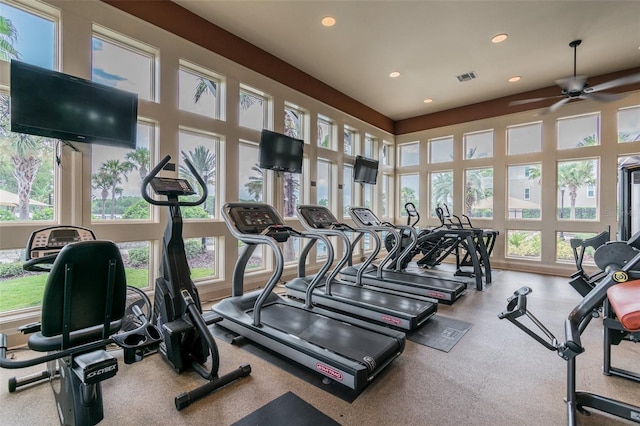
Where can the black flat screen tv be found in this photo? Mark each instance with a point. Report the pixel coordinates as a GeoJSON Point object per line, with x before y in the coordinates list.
{"type": "Point", "coordinates": [280, 152]}
{"type": "Point", "coordinates": [365, 170]}
{"type": "Point", "coordinates": [56, 105]}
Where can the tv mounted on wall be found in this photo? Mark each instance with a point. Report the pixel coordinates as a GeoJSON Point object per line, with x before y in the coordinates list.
{"type": "Point", "coordinates": [280, 152]}
{"type": "Point", "coordinates": [55, 105]}
{"type": "Point", "coordinates": [365, 170]}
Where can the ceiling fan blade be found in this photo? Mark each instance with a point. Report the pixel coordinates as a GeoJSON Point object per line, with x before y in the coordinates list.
{"type": "Point", "coordinates": [528, 101]}
{"type": "Point", "coordinates": [572, 84]}
{"type": "Point", "coordinates": [555, 106]}
{"type": "Point", "coordinates": [601, 97]}
{"type": "Point", "coordinates": [623, 81]}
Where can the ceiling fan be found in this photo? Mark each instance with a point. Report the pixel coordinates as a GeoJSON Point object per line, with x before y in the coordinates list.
{"type": "Point", "coordinates": [576, 87]}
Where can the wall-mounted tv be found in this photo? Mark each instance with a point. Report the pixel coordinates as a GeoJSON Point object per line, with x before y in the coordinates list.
{"type": "Point", "coordinates": [280, 152]}
{"type": "Point", "coordinates": [55, 105]}
{"type": "Point", "coordinates": [365, 170]}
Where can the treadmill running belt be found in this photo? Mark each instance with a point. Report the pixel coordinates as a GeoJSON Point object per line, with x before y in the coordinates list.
{"type": "Point", "coordinates": [339, 337]}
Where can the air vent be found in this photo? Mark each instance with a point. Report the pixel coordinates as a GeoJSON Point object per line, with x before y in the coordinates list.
{"type": "Point", "coordinates": [467, 76]}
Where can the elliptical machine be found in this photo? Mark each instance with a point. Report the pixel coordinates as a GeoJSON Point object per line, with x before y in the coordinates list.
{"type": "Point", "coordinates": [187, 342]}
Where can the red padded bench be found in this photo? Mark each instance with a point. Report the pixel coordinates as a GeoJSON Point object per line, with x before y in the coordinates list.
{"type": "Point", "coordinates": [625, 301]}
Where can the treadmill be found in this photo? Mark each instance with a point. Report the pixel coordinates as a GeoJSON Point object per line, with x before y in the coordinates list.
{"type": "Point", "coordinates": [444, 290]}
{"type": "Point", "coordinates": [370, 303]}
{"type": "Point", "coordinates": [350, 353]}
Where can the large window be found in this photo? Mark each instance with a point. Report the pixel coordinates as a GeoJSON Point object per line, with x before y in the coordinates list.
{"type": "Point", "coordinates": [253, 108]}
{"type": "Point", "coordinates": [347, 190]}
{"type": "Point", "coordinates": [326, 137]}
{"type": "Point", "coordinates": [478, 145]}
{"type": "Point", "coordinates": [441, 184]}
{"type": "Point", "coordinates": [294, 120]}
{"type": "Point", "coordinates": [629, 124]}
{"type": "Point", "coordinates": [441, 150]}
{"type": "Point", "coordinates": [203, 152]}
{"type": "Point", "coordinates": [575, 181]}
{"type": "Point", "coordinates": [323, 184]}
{"type": "Point", "coordinates": [251, 177]}
{"type": "Point", "coordinates": [116, 178]}
{"type": "Point", "coordinates": [478, 192]}
{"type": "Point", "coordinates": [123, 63]}
{"type": "Point", "coordinates": [580, 131]}
{"type": "Point", "coordinates": [524, 138]}
{"type": "Point", "coordinates": [524, 244]}
{"type": "Point", "coordinates": [199, 90]}
{"type": "Point", "coordinates": [409, 191]}
{"type": "Point", "coordinates": [409, 154]}
{"type": "Point", "coordinates": [350, 140]}
{"type": "Point", "coordinates": [525, 191]}
{"type": "Point", "coordinates": [27, 165]}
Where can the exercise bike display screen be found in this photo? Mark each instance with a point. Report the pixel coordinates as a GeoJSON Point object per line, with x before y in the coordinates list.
{"type": "Point", "coordinates": [166, 186]}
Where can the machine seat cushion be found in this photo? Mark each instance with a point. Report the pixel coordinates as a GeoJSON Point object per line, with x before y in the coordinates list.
{"type": "Point", "coordinates": [625, 301]}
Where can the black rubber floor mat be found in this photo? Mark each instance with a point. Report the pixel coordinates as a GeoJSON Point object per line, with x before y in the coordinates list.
{"type": "Point", "coordinates": [440, 333]}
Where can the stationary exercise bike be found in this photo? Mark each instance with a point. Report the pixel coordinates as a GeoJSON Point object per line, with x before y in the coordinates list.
{"type": "Point", "coordinates": [187, 342]}
{"type": "Point", "coordinates": [85, 308]}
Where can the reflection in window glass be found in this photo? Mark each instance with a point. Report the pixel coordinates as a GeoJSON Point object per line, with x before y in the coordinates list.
{"type": "Point", "coordinates": [576, 132]}
{"type": "Point", "coordinates": [575, 180]}
{"type": "Point", "coordinates": [251, 176]}
{"type": "Point", "coordinates": [323, 185]}
{"type": "Point", "coordinates": [524, 138]}
{"type": "Point", "coordinates": [387, 154]}
{"type": "Point", "coordinates": [116, 178]}
{"type": "Point", "coordinates": [441, 184]}
{"type": "Point", "coordinates": [524, 244]}
{"type": "Point", "coordinates": [293, 122]}
{"type": "Point", "coordinates": [478, 192]}
{"type": "Point", "coordinates": [409, 190]}
{"type": "Point", "coordinates": [350, 141]}
{"type": "Point", "coordinates": [564, 252]}
{"type": "Point", "coordinates": [409, 154]}
{"type": "Point", "coordinates": [524, 191]}
{"type": "Point", "coordinates": [198, 92]}
{"type": "Point", "coordinates": [122, 66]}
{"type": "Point", "coordinates": [202, 151]}
{"type": "Point", "coordinates": [201, 256]}
{"type": "Point", "coordinates": [386, 196]}
{"type": "Point", "coordinates": [253, 110]}
{"type": "Point", "coordinates": [629, 124]}
{"type": "Point", "coordinates": [441, 150]}
{"type": "Point", "coordinates": [347, 190]}
{"type": "Point", "coordinates": [478, 145]}
{"type": "Point", "coordinates": [18, 41]}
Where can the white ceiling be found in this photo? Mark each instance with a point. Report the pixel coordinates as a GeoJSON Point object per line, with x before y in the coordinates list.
{"type": "Point", "coordinates": [431, 42]}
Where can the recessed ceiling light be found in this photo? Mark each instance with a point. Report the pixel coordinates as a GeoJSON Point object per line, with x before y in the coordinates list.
{"type": "Point", "coordinates": [428, 101]}
{"type": "Point", "coordinates": [328, 21]}
{"type": "Point", "coordinates": [514, 79]}
{"type": "Point", "coordinates": [394, 74]}
{"type": "Point", "coordinates": [499, 38]}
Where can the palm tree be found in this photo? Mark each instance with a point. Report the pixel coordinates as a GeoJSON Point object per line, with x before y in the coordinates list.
{"type": "Point", "coordinates": [441, 189]}
{"type": "Point", "coordinates": [26, 153]}
{"type": "Point", "coordinates": [140, 159]}
{"type": "Point", "coordinates": [474, 190]}
{"type": "Point", "coordinates": [204, 161]}
{"type": "Point", "coordinates": [204, 86]}
{"type": "Point", "coordinates": [117, 171]}
{"type": "Point", "coordinates": [8, 36]}
{"type": "Point", "coordinates": [573, 175]}
{"type": "Point", "coordinates": [255, 184]}
{"type": "Point", "coordinates": [103, 182]}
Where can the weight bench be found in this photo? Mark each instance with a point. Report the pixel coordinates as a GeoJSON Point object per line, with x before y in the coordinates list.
{"type": "Point", "coordinates": [621, 319]}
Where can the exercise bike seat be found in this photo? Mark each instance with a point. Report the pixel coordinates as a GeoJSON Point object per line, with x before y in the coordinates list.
{"type": "Point", "coordinates": [85, 264]}
{"type": "Point", "coordinates": [625, 301]}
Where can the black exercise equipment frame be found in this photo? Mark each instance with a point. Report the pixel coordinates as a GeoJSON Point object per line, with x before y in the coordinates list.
{"type": "Point", "coordinates": [187, 341]}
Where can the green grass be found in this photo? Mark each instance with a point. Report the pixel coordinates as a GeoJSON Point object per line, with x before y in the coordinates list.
{"type": "Point", "coordinates": [26, 291]}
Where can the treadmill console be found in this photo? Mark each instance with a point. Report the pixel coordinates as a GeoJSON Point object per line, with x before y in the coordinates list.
{"type": "Point", "coordinates": [318, 217]}
{"type": "Point", "coordinates": [49, 241]}
{"type": "Point", "coordinates": [254, 219]}
{"type": "Point", "coordinates": [171, 186]}
{"type": "Point", "coordinates": [365, 216]}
